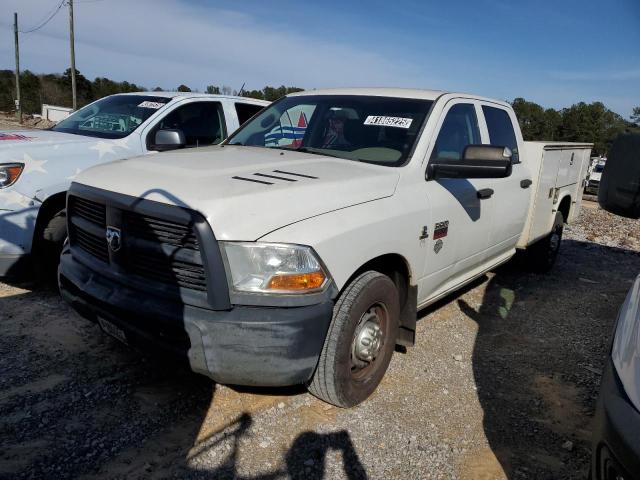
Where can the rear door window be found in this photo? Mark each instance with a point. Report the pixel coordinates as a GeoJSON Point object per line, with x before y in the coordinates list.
{"type": "Point", "coordinates": [501, 132]}
{"type": "Point", "coordinates": [246, 110]}
{"type": "Point", "coordinates": [459, 129]}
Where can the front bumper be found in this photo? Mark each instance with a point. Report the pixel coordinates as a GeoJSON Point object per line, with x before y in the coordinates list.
{"type": "Point", "coordinates": [616, 445]}
{"type": "Point", "coordinates": [16, 237]}
{"type": "Point", "coordinates": [256, 346]}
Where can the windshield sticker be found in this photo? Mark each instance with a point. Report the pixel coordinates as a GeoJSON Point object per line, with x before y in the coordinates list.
{"type": "Point", "coordinates": [154, 105]}
{"type": "Point", "coordinates": [14, 136]}
{"type": "Point", "coordinates": [381, 121]}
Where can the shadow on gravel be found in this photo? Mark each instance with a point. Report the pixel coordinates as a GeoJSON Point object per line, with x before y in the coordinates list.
{"type": "Point", "coordinates": [305, 458]}
{"type": "Point", "coordinates": [539, 351]}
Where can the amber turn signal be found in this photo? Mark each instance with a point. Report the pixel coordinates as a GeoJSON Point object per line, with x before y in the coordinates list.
{"type": "Point", "coordinates": [297, 281]}
{"type": "Point", "coordinates": [9, 173]}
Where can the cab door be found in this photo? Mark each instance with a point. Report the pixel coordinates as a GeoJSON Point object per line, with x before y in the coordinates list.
{"type": "Point", "coordinates": [512, 194]}
{"type": "Point", "coordinates": [461, 209]}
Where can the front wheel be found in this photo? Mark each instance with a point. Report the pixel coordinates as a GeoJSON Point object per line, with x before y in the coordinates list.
{"type": "Point", "coordinates": [49, 246]}
{"type": "Point", "coordinates": [541, 256]}
{"type": "Point", "coordinates": [360, 341]}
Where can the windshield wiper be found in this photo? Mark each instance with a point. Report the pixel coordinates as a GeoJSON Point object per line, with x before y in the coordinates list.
{"type": "Point", "coordinates": [316, 151]}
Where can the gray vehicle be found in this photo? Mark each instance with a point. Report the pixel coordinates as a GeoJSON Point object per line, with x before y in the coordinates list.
{"type": "Point", "coordinates": [616, 441]}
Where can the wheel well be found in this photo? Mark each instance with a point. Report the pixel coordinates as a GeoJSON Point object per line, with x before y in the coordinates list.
{"type": "Point", "coordinates": [50, 207]}
{"type": "Point", "coordinates": [397, 268]}
{"type": "Point", "coordinates": [392, 265]}
{"type": "Point", "coordinates": [565, 207]}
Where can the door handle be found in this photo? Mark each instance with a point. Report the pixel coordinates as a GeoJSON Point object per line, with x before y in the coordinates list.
{"type": "Point", "coordinates": [526, 183]}
{"type": "Point", "coordinates": [485, 193]}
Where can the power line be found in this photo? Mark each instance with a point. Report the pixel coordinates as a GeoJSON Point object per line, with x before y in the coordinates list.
{"type": "Point", "coordinates": [52, 14]}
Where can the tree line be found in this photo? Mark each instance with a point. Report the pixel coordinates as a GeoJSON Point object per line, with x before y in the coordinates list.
{"type": "Point", "coordinates": [581, 122]}
{"type": "Point", "coordinates": [55, 89]}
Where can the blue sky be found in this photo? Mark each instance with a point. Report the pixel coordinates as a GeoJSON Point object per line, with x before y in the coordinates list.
{"type": "Point", "coordinates": [554, 52]}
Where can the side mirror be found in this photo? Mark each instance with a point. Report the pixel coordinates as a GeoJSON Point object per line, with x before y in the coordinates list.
{"type": "Point", "coordinates": [619, 189]}
{"type": "Point", "coordinates": [168, 140]}
{"type": "Point", "coordinates": [478, 161]}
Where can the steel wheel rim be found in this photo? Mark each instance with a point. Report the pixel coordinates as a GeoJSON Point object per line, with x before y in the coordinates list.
{"type": "Point", "coordinates": [368, 341]}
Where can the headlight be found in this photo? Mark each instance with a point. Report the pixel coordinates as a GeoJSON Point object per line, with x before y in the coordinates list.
{"type": "Point", "coordinates": [273, 268]}
{"type": "Point", "coordinates": [9, 173]}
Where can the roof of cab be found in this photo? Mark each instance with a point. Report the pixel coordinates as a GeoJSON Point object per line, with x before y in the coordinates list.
{"type": "Point", "coordinates": [396, 92]}
{"type": "Point", "coordinates": [173, 95]}
{"type": "Point", "coordinates": [376, 92]}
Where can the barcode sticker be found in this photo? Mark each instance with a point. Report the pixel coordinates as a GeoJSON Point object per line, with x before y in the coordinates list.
{"type": "Point", "coordinates": [154, 105]}
{"type": "Point", "coordinates": [379, 120]}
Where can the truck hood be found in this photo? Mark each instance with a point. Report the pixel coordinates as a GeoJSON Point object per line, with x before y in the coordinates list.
{"type": "Point", "coordinates": [51, 159]}
{"type": "Point", "coordinates": [21, 139]}
{"type": "Point", "coordinates": [246, 192]}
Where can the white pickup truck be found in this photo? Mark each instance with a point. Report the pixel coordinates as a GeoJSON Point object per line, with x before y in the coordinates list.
{"type": "Point", "coordinates": [37, 166]}
{"type": "Point", "coordinates": [300, 250]}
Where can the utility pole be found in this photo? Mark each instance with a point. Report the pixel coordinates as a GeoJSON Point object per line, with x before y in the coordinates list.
{"type": "Point", "coordinates": [15, 35]}
{"type": "Point", "coordinates": [73, 55]}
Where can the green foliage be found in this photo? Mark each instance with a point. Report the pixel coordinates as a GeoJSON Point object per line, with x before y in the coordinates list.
{"type": "Point", "coordinates": [29, 91]}
{"type": "Point", "coordinates": [272, 94]}
{"type": "Point", "coordinates": [7, 90]}
{"type": "Point", "coordinates": [267, 93]}
{"type": "Point", "coordinates": [635, 116]}
{"type": "Point", "coordinates": [582, 122]}
{"type": "Point", "coordinates": [183, 88]}
{"type": "Point", "coordinates": [55, 89]}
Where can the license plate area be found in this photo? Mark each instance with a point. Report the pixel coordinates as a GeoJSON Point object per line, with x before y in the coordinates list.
{"type": "Point", "coordinates": [111, 329]}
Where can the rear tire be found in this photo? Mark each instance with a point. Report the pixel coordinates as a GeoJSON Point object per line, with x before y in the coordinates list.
{"type": "Point", "coordinates": [49, 246]}
{"type": "Point", "coordinates": [360, 341]}
{"type": "Point", "coordinates": [541, 256]}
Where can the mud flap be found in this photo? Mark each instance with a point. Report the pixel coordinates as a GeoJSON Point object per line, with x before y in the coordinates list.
{"type": "Point", "coordinates": [408, 316]}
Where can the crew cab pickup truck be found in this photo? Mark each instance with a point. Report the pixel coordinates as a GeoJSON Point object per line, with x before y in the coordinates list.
{"type": "Point", "coordinates": [37, 166]}
{"type": "Point", "coordinates": [299, 250]}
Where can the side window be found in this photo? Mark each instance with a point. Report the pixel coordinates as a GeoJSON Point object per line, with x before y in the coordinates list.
{"type": "Point", "coordinates": [201, 122]}
{"type": "Point", "coordinates": [501, 133]}
{"type": "Point", "coordinates": [246, 110]}
{"type": "Point", "coordinates": [459, 129]}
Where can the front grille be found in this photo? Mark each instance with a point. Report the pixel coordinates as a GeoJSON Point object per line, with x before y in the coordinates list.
{"type": "Point", "coordinates": [91, 211]}
{"type": "Point", "coordinates": [173, 255]}
{"type": "Point", "coordinates": [163, 251]}
{"type": "Point", "coordinates": [155, 229]}
{"type": "Point", "coordinates": [92, 244]}
{"type": "Point", "coordinates": [92, 216]}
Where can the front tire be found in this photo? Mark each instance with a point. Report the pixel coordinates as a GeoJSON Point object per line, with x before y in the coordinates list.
{"type": "Point", "coordinates": [360, 341]}
{"type": "Point", "coordinates": [49, 246]}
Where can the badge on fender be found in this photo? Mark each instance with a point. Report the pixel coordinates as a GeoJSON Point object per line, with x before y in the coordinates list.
{"type": "Point", "coordinates": [441, 230]}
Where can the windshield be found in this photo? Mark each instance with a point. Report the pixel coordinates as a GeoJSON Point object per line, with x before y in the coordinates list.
{"type": "Point", "coordinates": [378, 130]}
{"type": "Point", "coordinates": [598, 168]}
{"type": "Point", "coordinates": [112, 117]}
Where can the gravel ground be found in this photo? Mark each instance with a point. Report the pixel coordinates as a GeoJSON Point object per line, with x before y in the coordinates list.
{"type": "Point", "coordinates": [502, 384]}
{"type": "Point", "coordinates": [9, 122]}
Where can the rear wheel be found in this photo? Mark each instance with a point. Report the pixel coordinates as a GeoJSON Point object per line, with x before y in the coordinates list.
{"type": "Point", "coordinates": [360, 341]}
{"type": "Point", "coordinates": [541, 256]}
{"type": "Point", "coordinates": [49, 246]}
